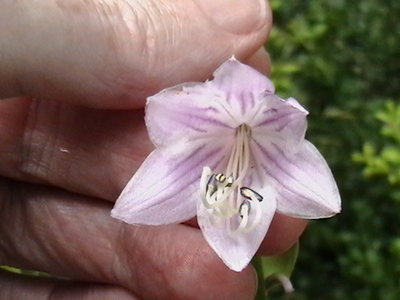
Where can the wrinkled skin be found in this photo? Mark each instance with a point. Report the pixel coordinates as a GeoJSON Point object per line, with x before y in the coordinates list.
{"type": "Point", "coordinates": [65, 158]}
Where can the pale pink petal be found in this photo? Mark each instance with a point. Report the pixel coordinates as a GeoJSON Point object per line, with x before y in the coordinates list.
{"type": "Point", "coordinates": [304, 183]}
{"type": "Point", "coordinates": [242, 86]}
{"type": "Point", "coordinates": [165, 188]}
{"type": "Point", "coordinates": [237, 250]}
{"type": "Point", "coordinates": [280, 121]}
{"type": "Point", "coordinates": [187, 111]}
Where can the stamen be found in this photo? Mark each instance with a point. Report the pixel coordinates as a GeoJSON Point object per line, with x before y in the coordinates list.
{"type": "Point", "coordinates": [244, 212]}
{"type": "Point", "coordinates": [250, 194]}
{"type": "Point", "coordinates": [229, 181]}
{"type": "Point", "coordinates": [217, 188]}
{"type": "Point", "coordinates": [223, 193]}
{"type": "Point", "coordinates": [220, 177]}
{"type": "Point", "coordinates": [244, 209]}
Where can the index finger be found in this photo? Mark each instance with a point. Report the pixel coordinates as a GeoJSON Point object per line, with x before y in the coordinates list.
{"type": "Point", "coordinates": [113, 54]}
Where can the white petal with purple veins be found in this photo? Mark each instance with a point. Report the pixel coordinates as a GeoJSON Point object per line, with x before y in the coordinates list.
{"type": "Point", "coordinates": [165, 188]}
{"type": "Point", "coordinates": [186, 112]}
{"type": "Point", "coordinates": [303, 180]}
{"type": "Point", "coordinates": [241, 86]}
{"type": "Point", "coordinates": [235, 126]}
{"type": "Point", "coordinates": [280, 121]}
{"type": "Point", "coordinates": [236, 249]}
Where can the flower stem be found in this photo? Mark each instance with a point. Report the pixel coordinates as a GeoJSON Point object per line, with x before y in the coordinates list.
{"type": "Point", "coordinates": [257, 264]}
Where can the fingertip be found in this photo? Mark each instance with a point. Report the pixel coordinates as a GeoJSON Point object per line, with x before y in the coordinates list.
{"type": "Point", "coordinates": [192, 223]}
{"type": "Point", "coordinates": [224, 283]}
{"type": "Point", "coordinates": [283, 233]}
{"type": "Point", "coordinates": [98, 60]}
{"type": "Point", "coordinates": [17, 286]}
{"type": "Point", "coordinates": [260, 61]}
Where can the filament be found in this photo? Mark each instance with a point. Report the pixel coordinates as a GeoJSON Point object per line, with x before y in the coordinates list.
{"type": "Point", "coordinates": [224, 195]}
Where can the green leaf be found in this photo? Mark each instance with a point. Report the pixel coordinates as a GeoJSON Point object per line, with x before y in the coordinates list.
{"type": "Point", "coordinates": [281, 264]}
{"type": "Point", "coordinates": [11, 269]}
{"type": "Point", "coordinates": [25, 272]}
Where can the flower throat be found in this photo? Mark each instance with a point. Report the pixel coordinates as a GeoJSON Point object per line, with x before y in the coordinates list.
{"type": "Point", "coordinates": [224, 195]}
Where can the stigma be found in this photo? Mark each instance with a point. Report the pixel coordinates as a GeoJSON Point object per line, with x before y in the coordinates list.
{"type": "Point", "coordinates": [224, 194]}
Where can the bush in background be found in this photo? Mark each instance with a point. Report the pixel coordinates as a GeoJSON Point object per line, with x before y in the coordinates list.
{"type": "Point", "coordinates": [342, 60]}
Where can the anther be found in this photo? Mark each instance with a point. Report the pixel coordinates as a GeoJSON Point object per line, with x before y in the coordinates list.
{"type": "Point", "coordinates": [211, 187]}
{"type": "Point", "coordinates": [229, 181]}
{"type": "Point", "coordinates": [250, 194]}
{"type": "Point", "coordinates": [244, 209]}
{"type": "Point", "coordinates": [220, 177]}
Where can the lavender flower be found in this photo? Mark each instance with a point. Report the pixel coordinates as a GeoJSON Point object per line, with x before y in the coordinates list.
{"type": "Point", "coordinates": [233, 153]}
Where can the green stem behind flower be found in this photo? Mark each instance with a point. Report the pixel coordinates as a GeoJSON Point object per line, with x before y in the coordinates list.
{"type": "Point", "coordinates": [258, 266]}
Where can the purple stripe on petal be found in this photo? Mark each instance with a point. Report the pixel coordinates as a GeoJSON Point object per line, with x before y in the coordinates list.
{"type": "Point", "coordinates": [303, 181]}
{"type": "Point", "coordinates": [283, 185]}
{"type": "Point", "coordinates": [165, 190]}
{"type": "Point", "coordinates": [206, 119]}
{"type": "Point", "coordinates": [252, 99]}
{"type": "Point", "coordinates": [280, 168]}
{"type": "Point", "coordinates": [172, 115]}
{"type": "Point", "coordinates": [276, 116]}
{"type": "Point", "coordinates": [197, 129]}
{"type": "Point", "coordinates": [240, 83]}
{"type": "Point", "coordinates": [210, 108]}
{"type": "Point", "coordinates": [241, 97]}
{"type": "Point", "coordinates": [184, 170]}
{"type": "Point", "coordinates": [191, 156]}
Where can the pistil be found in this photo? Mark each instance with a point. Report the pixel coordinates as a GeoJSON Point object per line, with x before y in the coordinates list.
{"type": "Point", "coordinates": [224, 195]}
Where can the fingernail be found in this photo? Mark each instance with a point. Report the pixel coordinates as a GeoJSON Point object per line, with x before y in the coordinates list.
{"type": "Point", "coordinates": [236, 16]}
{"type": "Point", "coordinates": [256, 280]}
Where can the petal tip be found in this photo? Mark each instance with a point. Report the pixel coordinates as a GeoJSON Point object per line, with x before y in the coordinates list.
{"type": "Point", "coordinates": [237, 265]}
{"type": "Point", "coordinates": [328, 212]}
{"type": "Point", "coordinates": [336, 210]}
{"type": "Point", "coordinates": [334, 206]}
{"type": "Point", "coordinates": [232, 58]}
{"type": "Point", "coordinates": [237, 268]}
{"type": "Point", "coordinates": [116, 214]}
{"type": "Point", "coordinates": [296, 104]}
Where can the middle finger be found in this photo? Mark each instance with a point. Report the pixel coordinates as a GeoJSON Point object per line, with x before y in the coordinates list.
{"type": "Point", "coordinates": [74, 236]}
{"type": "Point", "coordinates": [93, 152]}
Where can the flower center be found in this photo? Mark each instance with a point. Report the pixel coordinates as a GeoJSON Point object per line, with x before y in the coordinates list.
{"type": "Point", "coordinates": [224, 195]}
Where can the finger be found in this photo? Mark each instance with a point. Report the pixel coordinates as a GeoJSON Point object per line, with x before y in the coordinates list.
{"type": "Point", "coordinates": [68, 154]}
{"type": "Point", "coordinates": [120, 145]}
{"type": "Point", "coordinates": [112, 54]}
{"type": "Point", "coordinates": [88, 151]}
{"type": "Point", "coordinates": [260, 61]}
{"type": "Point", "coordinates": [283, 233]}
{"type": "Point", "coordinates": [73, 236]}
{"type": "Point", "coordinates": [62, 145]}
{"type": "Point", "coordinates": [47, 142]}
{"type": "Point", "coordinates": [13, 286]}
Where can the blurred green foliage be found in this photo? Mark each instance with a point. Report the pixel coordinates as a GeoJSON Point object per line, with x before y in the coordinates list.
{"type": "Point", "coordinates": [277, 271]}
{"type": "Point", "coordinates": [342, 60]}
{"type": "Point", "coordinates": [384, 158]}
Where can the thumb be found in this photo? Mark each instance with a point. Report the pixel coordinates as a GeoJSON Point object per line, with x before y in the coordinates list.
{"type": "Point", "coordinates": [112, 54]}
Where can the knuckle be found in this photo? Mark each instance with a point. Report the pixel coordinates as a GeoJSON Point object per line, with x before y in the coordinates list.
{"type": "Point", "coordinates": [38, 146]}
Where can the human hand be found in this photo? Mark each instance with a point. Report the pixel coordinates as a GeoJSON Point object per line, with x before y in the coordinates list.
{"type": "Point", "coordinates": [68, 146]}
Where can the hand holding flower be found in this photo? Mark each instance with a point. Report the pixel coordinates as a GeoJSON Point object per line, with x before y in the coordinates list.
{"type": "Point", "coordinates": [232, 152]}
{"type": "Point", "coordinates": [72, 134]}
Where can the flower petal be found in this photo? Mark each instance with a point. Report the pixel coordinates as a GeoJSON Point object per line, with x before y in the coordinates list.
{"type": "Point", "coordinates": [165, 188]}
{"type": "Point", "coordinates": [236, 250]}
{"type": "Point", "coordinates": [186, 111]}
{"type": "Point", "coordinates": [303, 180]}
{"type": "Point", "coordinates": [242, 86]}
{"type": "Point", "coordinates": [280, 121]}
